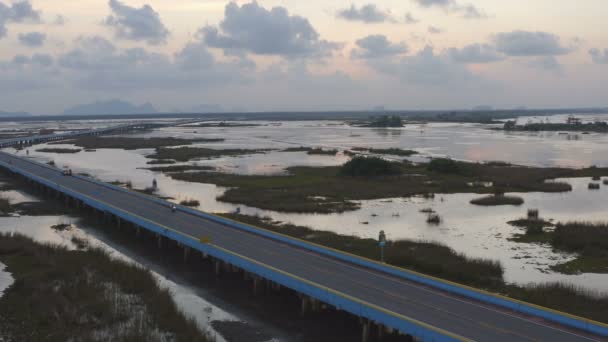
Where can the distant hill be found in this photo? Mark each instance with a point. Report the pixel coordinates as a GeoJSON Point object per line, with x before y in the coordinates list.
{"type": "Point", "coordinates": [111, 107]}
{"type": "Point", "coordinates": [13, 114]}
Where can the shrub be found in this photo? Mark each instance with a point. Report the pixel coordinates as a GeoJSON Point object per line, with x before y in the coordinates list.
{"type": "Point", "coordinates": [190, 202]}
{"type": "Point", "coordinates": [498, 200]}
{"type": "Point", "coordinates": [587, 238]}
{"type": "Point", "coordinates": [533, 214]}
{"type": "Point", "coordinates": [443, 165]}
{"type": "Point", "coordinates": [369, 167]}
{"type": "Point", "coordinates": [433, 219]}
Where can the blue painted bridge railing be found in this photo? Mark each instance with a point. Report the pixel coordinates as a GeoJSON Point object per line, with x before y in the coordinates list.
{"type": "Point", "coordinates": [450, 287]}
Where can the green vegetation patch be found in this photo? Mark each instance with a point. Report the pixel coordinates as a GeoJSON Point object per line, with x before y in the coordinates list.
{"type": "Point", "coordinates": [384, 121]}
{"type": "Point", "coordinates": [59, 150]}
{"type": "Point", "coordinates": [91, 142]}
{"type": "Point", "coordinates": [389, 151]}
{"type": "Point", "coordinates": [185, 153]}
{"type": "Point", "coordinates": [588, 240]}
{"type": "Point", "coordinates": [494, 200]}
{"type": "Point", "coordinates": [321, 151]}
{"type": "Point", "coordinates": [181, 168]}
{"type": "Point", "coordinates": [369, 167]}
{"type": "Point", "coordinates": [336, 189]}
{"type": "Point", "coordinates": [62, 295]}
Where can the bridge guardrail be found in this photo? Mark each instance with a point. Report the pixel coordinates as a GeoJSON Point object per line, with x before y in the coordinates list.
{"type": "Point", "coordinates": [448, 286]}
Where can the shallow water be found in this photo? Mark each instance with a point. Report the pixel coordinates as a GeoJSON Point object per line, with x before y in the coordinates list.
{"type": "Point", "coordinates": [475, 231]}
{"type": "Point", "coordinates": [6, 279]}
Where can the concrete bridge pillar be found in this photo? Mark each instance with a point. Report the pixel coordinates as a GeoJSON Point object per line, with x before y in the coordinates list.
{"type": "Point", "coordinates": [257, 285]}
{"type": "Point", "coordinates": [186, 253]}
{"type": "Point", "coordinates": [365, 329]}
{"type": "Point", "coordinates": [217, 265]}
{"type": "Point", "coordinates": [305, 304]}
{"type": "Point", "coordinates": [159, 240]}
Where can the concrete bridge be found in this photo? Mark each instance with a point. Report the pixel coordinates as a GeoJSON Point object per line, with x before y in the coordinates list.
{"type": "Point", "coordinates": [387, 300]}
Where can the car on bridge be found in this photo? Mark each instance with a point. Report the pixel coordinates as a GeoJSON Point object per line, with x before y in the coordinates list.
{"type": "Point", "coordinates": [67, 172]}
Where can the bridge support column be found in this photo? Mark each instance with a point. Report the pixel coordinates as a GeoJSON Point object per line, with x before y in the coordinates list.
{"type": "Point", "coordinates": [305, 304]}
{"type": "Point", "coordinates": [159, 240]}
{"type": "Point", "coordinates": [217, 265]}
{"type": "Point", "coordinates": [186, 253]}
{"type": "Point", "coordinates": [257, 285]}
{"type": "Point", "coordinates": [137, 231]}
{"type": "Point", "coordinates": [365, 328]}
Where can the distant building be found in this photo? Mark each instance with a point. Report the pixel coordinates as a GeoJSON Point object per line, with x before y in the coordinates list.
{"type": "Point", "coordinates": [572, 120]}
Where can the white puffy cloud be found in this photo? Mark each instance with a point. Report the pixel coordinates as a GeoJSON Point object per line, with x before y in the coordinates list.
{"type": "Point", "coordinates": [32, 39]}
{"type": "Point", "coordinates": [475, 54]}
{"type": "Point", "coordinates": [527, 43]}
{"type": "Point", "coordinates": [599, 57]}
{"type": "Point", "coordinates": [18, 12]}
{"type": "Point", "coordinates": [425, 68]}
{"type": "Point", "coordinates": [410, 19]}
{"type": "Point", "coordinates": [376, 46]}
{"type": "Point", "coordinates": [254, 29]}
{"type": "Point", "coordinates": [546, 63]}
{"type": "Point", "coordinates": [467, 11]}
{"type": "Point", "coordinates": [367, 13]}
{"type": "Point", "coordinates": [138, 24]}
{"type": "Point", "coordinates": [434, 30]}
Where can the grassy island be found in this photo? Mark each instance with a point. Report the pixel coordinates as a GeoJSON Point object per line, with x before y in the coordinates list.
{"type": "Point", "coordinates": [338, 188]}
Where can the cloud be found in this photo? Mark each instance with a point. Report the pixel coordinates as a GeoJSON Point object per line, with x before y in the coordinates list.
{"type": "Point", "coordinates": [138, 24]}
{"type": "Point", "coordinates": [467, 11]}
{"type": "Point", "coordinates": [38, 59]}
{"type": "Point", "coordinates": [376, 46]}
{"type": "Point", "coordinates": [599, 57]}
{"type": "Point", "coordinates": [434, 30]}
{"type": "Point", "coordinates": [96, 63]}
{"type": "Point", "coordinates": [475, 54]}
{"type": "Point", "coordinates": [526, 43]}
{"type": "Point", "coordinates": [60, 20]}
{"type": "Point", "coordinates": [409, 18]}
{"type": "Point", "coordinates": [367, 13]}
{"type": "Point", "coordinates": [252, 28]}
{"type": "Point", "coordinates": [425, 68]}
{"type": "Point", "coordinates": [18, 12]}
{"type": "Point", "coordinates": [547, 63]}
{"type": "Point", "coordinates": [32, 39]}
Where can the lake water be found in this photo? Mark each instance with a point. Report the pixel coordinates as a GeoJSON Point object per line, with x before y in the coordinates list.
{"type": "Point", "coordinates": [475, 231]}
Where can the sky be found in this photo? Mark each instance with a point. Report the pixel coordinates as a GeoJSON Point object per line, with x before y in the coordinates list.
{"type": "Point", "coordinates": [314, 55]}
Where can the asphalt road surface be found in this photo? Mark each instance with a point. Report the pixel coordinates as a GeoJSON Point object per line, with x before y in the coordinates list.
{"type": "Point", "coordinates": [470, 319]}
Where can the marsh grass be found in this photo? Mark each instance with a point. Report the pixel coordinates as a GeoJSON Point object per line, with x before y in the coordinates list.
{"type": "Point", "coordinates": [494, 200]}
{"type": "Point", "coordinates": [299, 190]}
{"type": "Point", "coordinates": [190, 202]}
{"type": "Point", "coordinates": [91, 142]}
{"type": "Point", "coordinates": [320, 151]}
{"type": "Point", "coordinates": [59, 150]}
{"type": "Point", "coordinates": [186, 153]}
{"type": "Point", "coordinates": [61, 295]}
